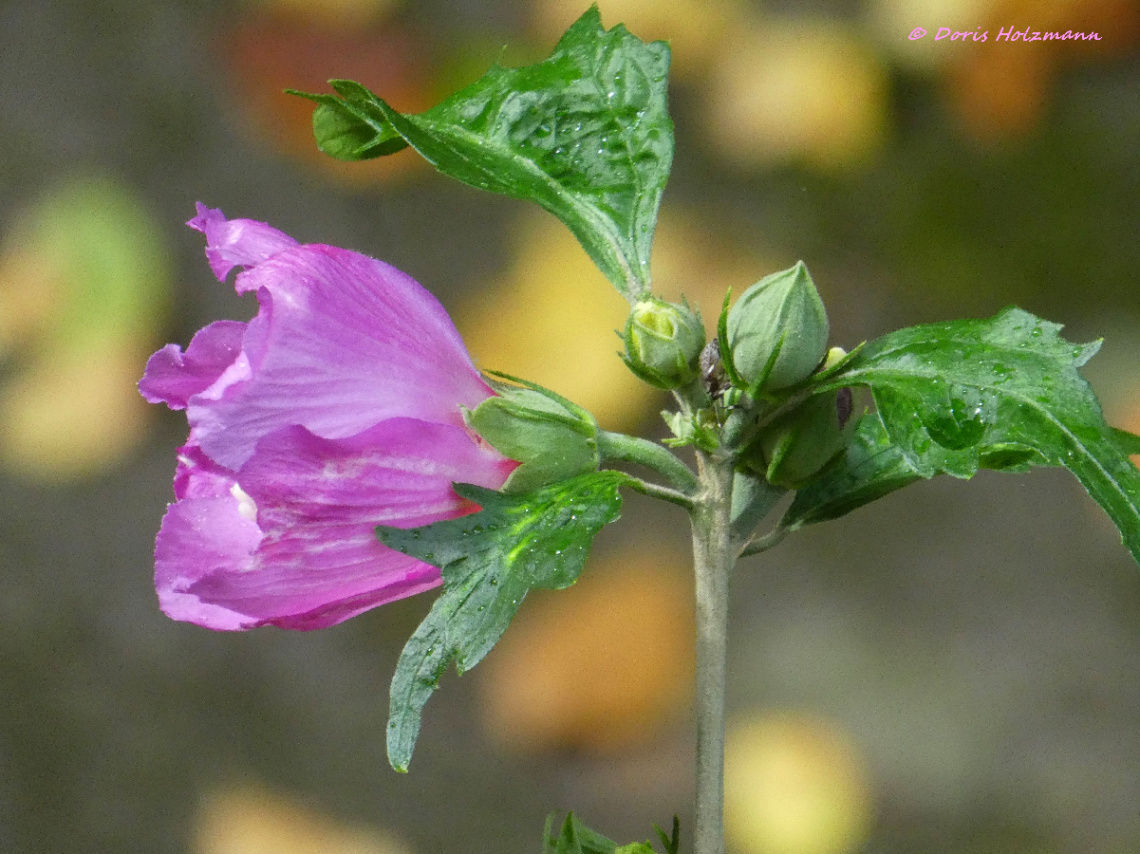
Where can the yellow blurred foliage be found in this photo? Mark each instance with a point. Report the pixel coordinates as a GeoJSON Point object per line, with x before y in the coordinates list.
{"type": "Point", "coordinates": [601, 666]}
{"type": "Point", "coordinates": [551, 318]}
{"type": "Point", "coordinates": [69, 414]}
{"type": "Point", "coordinates": [891, 21]}
{"type": "Point", "coordinates": [808, 91]}
{"type": "Point", "coordinates": [693, 28]}
{"type": "Point", "coordinates": [251, 820]}
{"type": "Point", "coordinates": [84, 284]}
{"type": "Point", "coordinates": [794, 784]}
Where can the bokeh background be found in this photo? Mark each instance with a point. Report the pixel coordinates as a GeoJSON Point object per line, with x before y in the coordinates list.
{"type": "Point", "coordinates": [955, 670]}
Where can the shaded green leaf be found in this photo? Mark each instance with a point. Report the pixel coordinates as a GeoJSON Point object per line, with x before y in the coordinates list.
{"type": "Point", "coordinates": [871, 467]}
{"type": "Point", "coordinates": [585, 133]}
{"type": "Point", "coordinates": [489, 561]}
{"type": "Point", "coordinates": [1129, 442]}
{"type": "Point", "coordinates": [954, 397]}
{"type": "Point", "coordinates": [576, 838]}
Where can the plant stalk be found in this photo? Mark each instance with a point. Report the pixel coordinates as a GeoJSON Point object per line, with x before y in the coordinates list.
{"type": "Point", "coordinates": [631, 449]}
{"type": "Point", "coordinates": [713, 559]}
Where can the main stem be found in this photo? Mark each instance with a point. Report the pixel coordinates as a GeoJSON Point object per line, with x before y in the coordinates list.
{"type": "Point", "coordinates": [713, 560]}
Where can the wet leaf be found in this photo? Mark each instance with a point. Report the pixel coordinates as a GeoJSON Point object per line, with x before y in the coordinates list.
{"type": "Point", "coordinates": [954, 397]}
{"type": "Point", "coordinates": [490, 560]}
{"type": "Point", "coordinates": [585, 134]}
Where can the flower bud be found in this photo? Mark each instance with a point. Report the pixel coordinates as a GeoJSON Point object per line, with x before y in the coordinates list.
{"type": "Point", "coordinates": [663, 342]}
{"type": "Point", "coordinates": [552, 438]}
{"type": "Point", "coordinates": [792, 450]}
{"type": "Point", "coordinates": [783, 307]}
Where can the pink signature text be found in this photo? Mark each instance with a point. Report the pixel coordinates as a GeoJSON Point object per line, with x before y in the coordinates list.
{"type": "Point", "coordinates": [1009, 34]}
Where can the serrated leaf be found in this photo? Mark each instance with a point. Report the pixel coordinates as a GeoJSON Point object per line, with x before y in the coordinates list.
{"type": "Point", "coordinates": [585, 133]}
{"type": "Point", "coordinates": [999, 393]}
{"type": "Point", "coordinates": [489, 561]}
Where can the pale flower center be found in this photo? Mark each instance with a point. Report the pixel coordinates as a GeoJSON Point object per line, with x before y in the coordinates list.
{"type": "Point", "coordinates": [246, 505]}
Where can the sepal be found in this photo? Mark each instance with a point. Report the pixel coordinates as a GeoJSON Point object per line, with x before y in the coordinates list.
{"type": "Point", "coordinates": [793, 449]}
{"type": "Point", "coordinates": [551, 437]}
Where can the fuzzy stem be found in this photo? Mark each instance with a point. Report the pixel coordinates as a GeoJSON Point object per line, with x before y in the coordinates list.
{"type": "Point", "coordinates": [713, 559]}
{"type": "Point", "coordinates": [630, 449]}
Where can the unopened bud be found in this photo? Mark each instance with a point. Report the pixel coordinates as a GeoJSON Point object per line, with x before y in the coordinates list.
{"type": "Point", "coordinates": [792, 450]}
{"type": "Point", "coordinates": [663, 343]}
{"type": "Point", "coordinates": [553, 441]}
{"type": "Point", "coordinates": [782, 311]}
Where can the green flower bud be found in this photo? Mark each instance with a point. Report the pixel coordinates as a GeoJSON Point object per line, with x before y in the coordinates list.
{"type": "Point", "coordinates": [782, 311]}
{"type": "Point", "coordinates": [792, 450]}
{"type": "Point", "coordinates": [663, 342]}
{"type": "Point", "coordinates": [551, 437]}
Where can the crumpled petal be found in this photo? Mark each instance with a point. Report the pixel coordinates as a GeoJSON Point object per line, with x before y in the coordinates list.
{"type": "Point", "coordinates": [197, 476]}
{"type": "Point", "coordinates": [317, 561]}
{"type": "Point", "coordinates": [237, 242]}
{"type": "Point", "coordinates": [173, 377]}
{"type": "Point", "coordinates": [199, 537]}
{"type": "Point", "coordinates": [341, 342]}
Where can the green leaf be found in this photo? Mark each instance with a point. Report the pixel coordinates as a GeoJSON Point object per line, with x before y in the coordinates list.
{"type": "Point", "coordinates": [1129, 442]}
{"type": "Point", "coordinates": [954, 397]}
{"type": "Point", "coordinates": [576, 838]}
{"type": "Point", "coordinates": [489, 561]}
{"type": "Point", "coordinates": [671, 845]}
{"type": "Point", "coordinates": [586, 134]}
{"type": "Point", "coordinates": [872, 467]}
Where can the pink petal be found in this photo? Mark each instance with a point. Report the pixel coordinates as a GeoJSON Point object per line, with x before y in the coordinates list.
{"type": "Point", "coordinates": [341, 342]}
{"type": "Point", "coordinates": [318, 502]}
{"type": "Point", "coordinates": [173, 377]}
{"type": "Point", "coordinates": [200, 537]}
{"type": "Point", "coordinates": [237, 242]}
{"type": "Point", "coordinates": [197, 476]}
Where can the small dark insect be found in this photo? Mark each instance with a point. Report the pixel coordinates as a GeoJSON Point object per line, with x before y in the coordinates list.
{"type": "Point", "coordinates": [844, 405]}
{"type": "Point", "coordinates": [712, 371]}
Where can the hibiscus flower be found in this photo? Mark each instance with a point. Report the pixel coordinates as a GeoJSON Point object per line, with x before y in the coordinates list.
{"type": "Point", "coordinates": [336, 409]}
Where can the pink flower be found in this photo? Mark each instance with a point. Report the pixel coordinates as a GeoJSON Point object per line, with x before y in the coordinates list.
{"type": "Point", "coordinates": [336, 409]}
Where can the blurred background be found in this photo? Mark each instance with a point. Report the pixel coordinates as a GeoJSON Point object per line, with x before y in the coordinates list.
{"type": "Point", "coordinates": [953, 670]}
